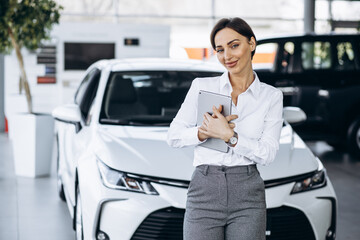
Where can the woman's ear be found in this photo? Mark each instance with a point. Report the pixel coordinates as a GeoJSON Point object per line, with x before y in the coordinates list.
{"type": "Point", "coordinates": [252, 43]}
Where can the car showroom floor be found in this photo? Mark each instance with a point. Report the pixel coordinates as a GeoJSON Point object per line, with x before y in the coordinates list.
{"type": "Point", "coordinates": [30, 208]}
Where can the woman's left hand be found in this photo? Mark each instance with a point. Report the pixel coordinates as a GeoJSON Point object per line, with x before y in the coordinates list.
{"type": "Point", "coordinates": [218, 126]}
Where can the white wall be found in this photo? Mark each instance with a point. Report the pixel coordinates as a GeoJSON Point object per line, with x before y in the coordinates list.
{"type": "Point", "coordinates": [154, 42]}
{"type": "Point", "coordinates": [2, 94]}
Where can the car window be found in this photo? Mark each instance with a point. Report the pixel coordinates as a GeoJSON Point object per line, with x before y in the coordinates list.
{"type": "Point", "coordinates": [90, 114]}
{"type": "Point", "coordinates": [287, 58]}
{"type": "Point", "coordinates": [87, 92]}
{"type": "Point", "coordinates": [265, 55]}
{"type": "Point", "coordinates": [345, 56]}
{"type": "Point", "coordinates": [316, 55]}
{"type": "Point", "coordinates": [83, 85]}
{"type": "Point", "coordinates": [146, 97]}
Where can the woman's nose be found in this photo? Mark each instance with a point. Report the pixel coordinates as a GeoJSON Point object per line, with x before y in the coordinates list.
{"type": "Point", "coordinates": [227, 54]}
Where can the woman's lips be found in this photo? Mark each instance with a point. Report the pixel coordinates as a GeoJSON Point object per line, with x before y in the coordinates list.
{"type": "Point", "coordinates": [231, 64]}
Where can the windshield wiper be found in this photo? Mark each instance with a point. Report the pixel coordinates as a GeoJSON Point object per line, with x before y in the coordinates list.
{"type": "Point", "coordinates": [161, 124]}
{"type": "Point", "coordinates": [115, 121]}
{"type": "Point", "coordinates": [137, 122]}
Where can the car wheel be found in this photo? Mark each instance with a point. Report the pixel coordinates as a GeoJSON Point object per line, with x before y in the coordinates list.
{"type": "Point", "coordinates": [60, 186]}
{"type": "Point", "coordinates": [78, 217]}
{"type": "Point", "coordinates": [354, 137]}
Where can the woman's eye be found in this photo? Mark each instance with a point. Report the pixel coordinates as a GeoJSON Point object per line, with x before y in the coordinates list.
{"type": "Point", "coordinates": [235, 46]}
{"type": "Point", "coordinates": [219, 50]}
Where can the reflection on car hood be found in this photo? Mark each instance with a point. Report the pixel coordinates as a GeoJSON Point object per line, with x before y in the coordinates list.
{"type": "Point", "coordinates": [143, 150]}
{"type": "Point", "coordinates": [293, 158]}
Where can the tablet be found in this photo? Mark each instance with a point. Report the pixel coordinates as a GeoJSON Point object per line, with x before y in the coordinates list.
{"type": "Point", "coordinates": [206, 100]}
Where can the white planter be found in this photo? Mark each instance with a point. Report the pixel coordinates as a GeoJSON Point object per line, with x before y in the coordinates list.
{"type": "Point", "coordinates": [32, 139]}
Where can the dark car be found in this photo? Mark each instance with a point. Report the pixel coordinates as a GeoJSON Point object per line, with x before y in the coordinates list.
{"type": "Point", "coordinates": [321, 75]}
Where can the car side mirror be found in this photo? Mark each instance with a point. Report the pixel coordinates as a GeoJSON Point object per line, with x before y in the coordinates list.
{"type": "Point", "coordinates": [294, 115]}
{"type": "Point", "coordinates": [69, 113]}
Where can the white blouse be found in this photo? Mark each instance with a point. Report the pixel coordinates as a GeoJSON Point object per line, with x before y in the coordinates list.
{"type": "Point", "coordinates": [258, 125]}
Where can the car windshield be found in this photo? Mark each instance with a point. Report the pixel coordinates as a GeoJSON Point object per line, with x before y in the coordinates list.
{"type": "Point", "coordinates": [146, 98]}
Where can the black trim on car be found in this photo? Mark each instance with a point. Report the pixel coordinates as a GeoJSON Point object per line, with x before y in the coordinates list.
{"type": "Point", "coordinates": [185, 184]}
{"type": "Point", "coordinates": [286, 180]}
{"type": "Point", "coordinates": [99, 213]}
{"type": "Point", "coordinates": [164, 181]}
{"type": "Point", "coordinates": [332, 227]}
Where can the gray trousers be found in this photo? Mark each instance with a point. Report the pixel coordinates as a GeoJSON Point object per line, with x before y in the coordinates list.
{"type": "Point", "coordinates": [225, 203]}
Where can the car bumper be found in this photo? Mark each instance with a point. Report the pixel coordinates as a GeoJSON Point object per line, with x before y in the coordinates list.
{"type": "Point", "coordinates": [129, 215]}
{"type": "Point", "coordinates": [121, 219]}
{"type": "Point", "coordinates": [319, 209]}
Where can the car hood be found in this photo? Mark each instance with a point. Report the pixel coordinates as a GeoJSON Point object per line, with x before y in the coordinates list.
{"type": "Point", "coordinates": [144, 151]}
{"type": "Point", "coordinates": [293, 158]}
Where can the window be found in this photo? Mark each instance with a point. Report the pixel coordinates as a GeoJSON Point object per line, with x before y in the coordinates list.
{"type": "Point", "coordinates": [265, 55]}
{"type": "Point", "coordinates": [316, 55]}
{"type": "Point", "coordinates": [83, 85]}
{"type": "Point", "coordinates": [87, 91]}
{"type": "Point", "coordinates": [146, 97]}
{"type": "Point", "coordinates": [90, 114]}
{"type": "Point", "coordinates": [345, 56]}
{"type": "Point", "coordinates": [287, 59]}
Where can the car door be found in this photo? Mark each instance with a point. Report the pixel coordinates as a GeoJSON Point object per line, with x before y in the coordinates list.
{"type": "Point", "coordinates": [299, 68]}
{"type": "Point", "coordinates": [340, 89]}
{"type": "Point", "coordinates": [73, 139]}
{"type": "Point", "coordinates": [316, 64]}
{"type": "Point", "coordinates": [328, 88]}
{"type": "Point", "coordinates": [281, 69]}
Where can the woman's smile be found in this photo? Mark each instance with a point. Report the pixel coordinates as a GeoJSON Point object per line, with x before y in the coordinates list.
{"type": "Point", "coordinates": [231, 64]}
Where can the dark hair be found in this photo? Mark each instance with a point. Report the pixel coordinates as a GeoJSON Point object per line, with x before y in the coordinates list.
{"type": "Point", "coordinates": [237, 24]}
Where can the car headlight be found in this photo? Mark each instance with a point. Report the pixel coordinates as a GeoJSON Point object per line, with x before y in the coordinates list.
{"type": "Point", "coordinates": [317, 180]}
{"type": "Point", "coordinates": [120, 180]}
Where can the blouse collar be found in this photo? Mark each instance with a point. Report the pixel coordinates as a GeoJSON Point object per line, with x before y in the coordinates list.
{"type": "Point", "coordinates": [254, 87]}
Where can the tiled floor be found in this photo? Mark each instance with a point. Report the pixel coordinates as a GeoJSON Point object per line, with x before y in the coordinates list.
{"type": "Point", "coordinates": [31, 210]}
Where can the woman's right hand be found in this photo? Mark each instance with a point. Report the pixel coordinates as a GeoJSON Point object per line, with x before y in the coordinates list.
{"type": "Point", "coordinates": [202, 136]}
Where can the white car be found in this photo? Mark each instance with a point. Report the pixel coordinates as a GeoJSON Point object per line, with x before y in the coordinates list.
{"type": "Point", "coordinates": [121, 180]}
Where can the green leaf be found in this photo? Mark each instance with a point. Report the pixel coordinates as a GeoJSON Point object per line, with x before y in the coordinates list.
{"type": "Point", "coordinates": [30, 21]}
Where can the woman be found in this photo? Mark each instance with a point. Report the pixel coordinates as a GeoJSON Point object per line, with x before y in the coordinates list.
{"type": "Point", "coordinates": [226, 196]}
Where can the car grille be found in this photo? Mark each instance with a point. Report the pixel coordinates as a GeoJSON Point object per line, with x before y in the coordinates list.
{"type": "Point", "coordinates": [163, 224]}
{"type": "Point", "coordinates": [286, 223]}
{"type": "Point", "coordinates": [282, 223]}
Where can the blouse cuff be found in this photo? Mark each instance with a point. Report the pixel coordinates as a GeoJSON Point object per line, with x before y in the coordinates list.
{"type": "Point", "coordinates": [245, 147]}
{"type": "Point", "coordinates": [190, 136]}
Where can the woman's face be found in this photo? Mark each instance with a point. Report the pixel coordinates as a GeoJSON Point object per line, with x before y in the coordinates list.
{"type": "Point", "coordinates": [234, 50]}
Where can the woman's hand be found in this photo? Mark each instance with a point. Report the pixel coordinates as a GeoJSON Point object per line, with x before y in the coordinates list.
{"type": "Point", "coordinates": [202, 136]}
{"type": "Point", "coordinates": [217, 126]}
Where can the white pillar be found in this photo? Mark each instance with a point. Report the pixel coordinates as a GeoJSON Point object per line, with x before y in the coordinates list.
{"type": "Point", "coordinates": [2, 93]}
{"type": "Point", "coordinates": [212, 24]}
{"type": "Point", "coordinates": [331, 16]}
{"type": "Point", "coordinates": [309, 16]}
{"type": "Point", "coordinates": [213, 20]}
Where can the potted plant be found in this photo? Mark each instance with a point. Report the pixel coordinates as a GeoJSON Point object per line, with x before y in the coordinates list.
{"type": "Point", "coordinates": [25, 24]}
